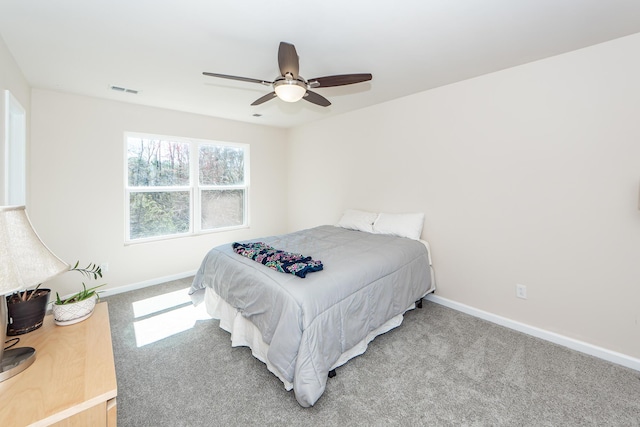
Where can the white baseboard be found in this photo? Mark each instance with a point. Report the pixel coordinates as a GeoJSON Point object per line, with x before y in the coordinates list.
{"type": "Point", "coordinates": [144, 284]}
{"type": "Point", "coordinates": [583, 347]}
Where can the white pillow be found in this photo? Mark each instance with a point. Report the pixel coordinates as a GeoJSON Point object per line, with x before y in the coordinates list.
{"type": "Point", "coordinates": [403, 225]}
{"type": "Point", "coordinates": [358, 220]}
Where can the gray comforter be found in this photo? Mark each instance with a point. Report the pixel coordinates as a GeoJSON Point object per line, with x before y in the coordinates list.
{"type": "Point", "coordinates": [308, 323]}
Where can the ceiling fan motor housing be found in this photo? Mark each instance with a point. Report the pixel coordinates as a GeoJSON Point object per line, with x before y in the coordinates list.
{"type": "Point", "coordinates": [289, 89]}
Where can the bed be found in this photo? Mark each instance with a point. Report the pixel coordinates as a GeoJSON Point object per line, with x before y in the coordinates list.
{"type": "Point", "coordinates": [303, 328]}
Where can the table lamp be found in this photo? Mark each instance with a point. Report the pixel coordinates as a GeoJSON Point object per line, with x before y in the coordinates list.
{"type": "Point", "coordinates": [25, 261]}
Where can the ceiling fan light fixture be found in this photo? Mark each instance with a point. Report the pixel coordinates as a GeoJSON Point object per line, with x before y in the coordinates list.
{"type": "Point", "coordinates": [290, 90]}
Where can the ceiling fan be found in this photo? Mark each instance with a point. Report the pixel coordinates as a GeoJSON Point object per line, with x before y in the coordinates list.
{"type": "Point", "coordinates": [290, 86]}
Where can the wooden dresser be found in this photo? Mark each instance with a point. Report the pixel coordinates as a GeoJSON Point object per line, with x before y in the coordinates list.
{"type": "Point", "coordinates": [72, 381]}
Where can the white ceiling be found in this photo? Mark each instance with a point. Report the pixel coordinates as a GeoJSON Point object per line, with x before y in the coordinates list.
{"type": "Point", "coordinates": [161, 47]}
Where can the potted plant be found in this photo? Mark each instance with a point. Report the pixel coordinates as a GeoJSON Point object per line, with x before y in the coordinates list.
{"type": "Point", "coordinates": [80, 305]}
{"type": "Point", "coordinates": [26, 309]}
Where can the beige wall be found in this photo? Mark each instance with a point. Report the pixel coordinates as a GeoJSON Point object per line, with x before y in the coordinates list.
{"type": "Point", "coordinates": [529, 175]}
{"type": "Point", "coordinates": [77, 184]}
{"type": "Point", "coordinates": [11, 79]}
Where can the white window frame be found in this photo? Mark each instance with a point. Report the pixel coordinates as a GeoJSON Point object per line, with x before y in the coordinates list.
{"type": "Point", "coordinates": [15, 158]}
{"type": "Point", "coordinates": [194, 188]}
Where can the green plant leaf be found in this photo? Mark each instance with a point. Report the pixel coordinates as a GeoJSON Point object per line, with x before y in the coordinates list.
{"type": "Point", "coordinates": [80, 296]}
{"type": "Point", "coordinates": [91, 271]}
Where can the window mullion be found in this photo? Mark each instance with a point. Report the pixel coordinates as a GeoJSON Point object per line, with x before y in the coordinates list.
{"type": "Point", "coordinates": [196, 213]}
{"type": "Point", "coordinates": [158, 189]}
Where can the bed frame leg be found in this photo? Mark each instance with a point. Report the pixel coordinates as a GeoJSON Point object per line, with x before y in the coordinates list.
{"type": "Point", "coordinates": [332, 373]}
{"type": "Point", "coordinates": [419, 303]}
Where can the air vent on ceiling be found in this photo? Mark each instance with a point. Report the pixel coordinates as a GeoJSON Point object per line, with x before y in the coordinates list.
{"type": "Point", "coordinates": [124, 89]}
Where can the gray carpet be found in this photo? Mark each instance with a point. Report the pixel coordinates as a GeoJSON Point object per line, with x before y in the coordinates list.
{"type": "Point", "coordinates": [440, 367]}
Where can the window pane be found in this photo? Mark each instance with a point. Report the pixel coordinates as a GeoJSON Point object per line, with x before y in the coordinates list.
{"type": "Point", "coordinates": [222, 208]}
{"type": "Point", "coordinates": [220, 165]}
{"type": "Point", "coordinates": [158, 213]}
{"type": "Point", "coordinates": [154, 162]}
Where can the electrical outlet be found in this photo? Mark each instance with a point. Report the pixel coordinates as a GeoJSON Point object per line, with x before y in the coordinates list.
{"type": "Point", "coordinates": [104, 267]}
{"type": "Point", "coordinates": [521, 291]}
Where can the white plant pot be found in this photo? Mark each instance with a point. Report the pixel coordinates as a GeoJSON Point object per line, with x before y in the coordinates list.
{"type": "Point", "coordinates": [68, 314]}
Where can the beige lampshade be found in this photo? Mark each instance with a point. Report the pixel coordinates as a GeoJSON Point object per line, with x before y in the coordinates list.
{"type": "Point", "coordinates": [25, 261]}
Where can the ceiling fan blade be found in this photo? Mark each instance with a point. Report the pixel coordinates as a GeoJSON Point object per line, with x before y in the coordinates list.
{"type": "Point", "coordinates": [264, 99]}
{"type": "Point", "coordinates": [242, 79]}
{"type": "Point", "coordinates": [288, 59]}
{"type": "Point", "coordinates": [339, 80]}
{"type": "Point", "coordinates": [314, 98]}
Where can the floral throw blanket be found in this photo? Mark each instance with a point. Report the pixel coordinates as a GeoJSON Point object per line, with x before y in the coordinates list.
{"type": "Point", "coordinates": [284, 262]}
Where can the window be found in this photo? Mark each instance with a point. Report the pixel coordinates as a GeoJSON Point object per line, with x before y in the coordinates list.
{"type": "Point", "coordinates": [178, 187]}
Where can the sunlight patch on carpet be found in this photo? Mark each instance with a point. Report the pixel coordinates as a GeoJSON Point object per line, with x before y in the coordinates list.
{"type": "Point", "coordinates": [165, 315]}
